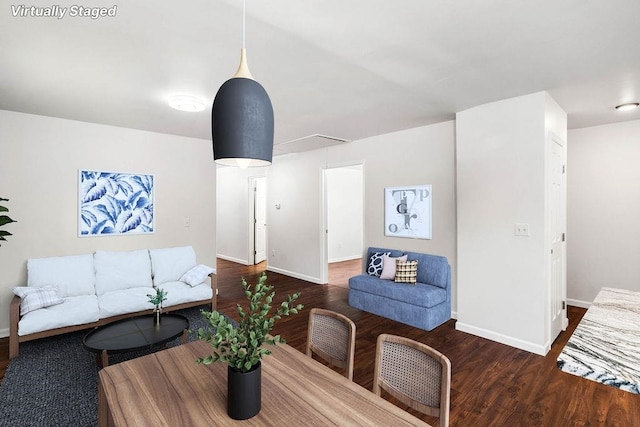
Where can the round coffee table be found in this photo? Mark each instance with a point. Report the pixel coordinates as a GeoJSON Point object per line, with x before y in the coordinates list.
{"type": "Point", "coordinates": [136, 333]}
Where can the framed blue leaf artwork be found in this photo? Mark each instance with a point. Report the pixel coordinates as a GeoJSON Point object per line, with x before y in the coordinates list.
{"type": "Point", "coordinates": [112, 203]}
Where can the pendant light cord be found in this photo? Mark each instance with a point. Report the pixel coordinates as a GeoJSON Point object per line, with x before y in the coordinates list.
{"type": "Point", "coordinates": [244, 7]}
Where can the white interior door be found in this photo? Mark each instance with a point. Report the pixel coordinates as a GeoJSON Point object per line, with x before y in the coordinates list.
{"type": "Point", "coordinates": [260, 220]}
{"type": "Point", "coordinates": [557, 201]}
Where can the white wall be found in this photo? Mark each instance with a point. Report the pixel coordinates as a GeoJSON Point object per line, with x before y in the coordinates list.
{"type": "Point", "coordinates": [424, 155]}
{"type": "Point", "coordinates": [603, 236]}
{"type": "Point", "coordinates": [502, 278]}
{"type": "Point", "coordinates": [41, 157]}
{"type": "Point", "coordinates": [233, 199]}
{"type": "Point", "coordinates": [345, 212]}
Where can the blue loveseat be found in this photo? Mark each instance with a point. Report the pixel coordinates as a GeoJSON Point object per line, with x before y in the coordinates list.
{"type": "Point", "coordinates": [425, 305]}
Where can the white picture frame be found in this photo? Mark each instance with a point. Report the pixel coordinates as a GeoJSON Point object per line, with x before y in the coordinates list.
{"type": "Point", "coordinates": [407, 211]}
{"type": "Point", "coordinates": [114, 203]}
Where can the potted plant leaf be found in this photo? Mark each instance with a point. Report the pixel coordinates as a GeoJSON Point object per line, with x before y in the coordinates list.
{"type": "Point", "coordinates": [242, 348]}
{"type": "Point", "coordinates": [4, 219]}
{"type": "Point", "coordinates": [157, 301]}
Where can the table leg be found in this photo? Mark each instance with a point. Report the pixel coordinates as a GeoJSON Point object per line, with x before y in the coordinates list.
{"type": "Point", "coordinates": [105, 359]}
{"type": "Point", "coordinates": [184, 336]}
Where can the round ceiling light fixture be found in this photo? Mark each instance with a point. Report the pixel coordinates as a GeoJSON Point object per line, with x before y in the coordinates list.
{"type": "Point", "coordinates": [628, 106]}
{"type": "Point", "coordinates": [187, 103]}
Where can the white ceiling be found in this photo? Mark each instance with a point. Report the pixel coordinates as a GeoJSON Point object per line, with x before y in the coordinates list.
{"type": "Point", "coordinates": [347, 69]}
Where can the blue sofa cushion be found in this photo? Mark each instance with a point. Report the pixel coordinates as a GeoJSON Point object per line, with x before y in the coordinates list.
{"type": "Point", "coordinates": [420, 294]}
{"type": "Point", "coordinates": [432, 269]}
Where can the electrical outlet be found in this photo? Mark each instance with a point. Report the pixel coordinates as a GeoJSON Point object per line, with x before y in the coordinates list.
{"type": "Point", "coordinates": [187, 222]}
{"type": "Point", "coordinates": [522, 229]}
{"type": "Point", "coordinates": [273, 253]}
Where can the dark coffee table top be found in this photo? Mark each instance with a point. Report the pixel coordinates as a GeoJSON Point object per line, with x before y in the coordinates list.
{"type": "Point", "coordinates": [136, 333]}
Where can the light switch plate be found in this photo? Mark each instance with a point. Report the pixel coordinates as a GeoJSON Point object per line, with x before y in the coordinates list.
{"type": "Point", "coordinates": [522, 229]}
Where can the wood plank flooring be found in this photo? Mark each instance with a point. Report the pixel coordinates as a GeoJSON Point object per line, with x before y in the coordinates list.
{"type": "Point", "coordinates": [492, 384]}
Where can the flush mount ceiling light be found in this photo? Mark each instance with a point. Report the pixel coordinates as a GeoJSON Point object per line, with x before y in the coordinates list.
{"type": "Point", "coordinates": [242, 118]}
{"type": "Point", "coordinates": [628, 106]}
{"type": "Point", "coordinates": [187, 103]}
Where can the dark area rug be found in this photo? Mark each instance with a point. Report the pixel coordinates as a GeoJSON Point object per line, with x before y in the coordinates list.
{"type": "Point", "coordinates": [54, 381]}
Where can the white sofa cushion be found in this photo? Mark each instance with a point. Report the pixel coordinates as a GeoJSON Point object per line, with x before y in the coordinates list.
{"type": "Point", "coordinates": [73, 275]}
{"type": "Point", "coordinates": [179, 293]}
{"type": "Point", "coordinates": [124, 301]}
{"type": "Point", "coordinates": [122, 270]}
{"type": "Point", "coordinates": [169, 264]}
{"type": "Point", "coordinates": [73, 311]}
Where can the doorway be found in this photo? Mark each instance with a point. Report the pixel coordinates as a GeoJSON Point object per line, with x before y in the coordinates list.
{"type": "Point", "coordinates": [557, 226]}
{"type": "Point", "coordinates": [343, 216]}
{"type": "Point", "coordinates": [258, 220]}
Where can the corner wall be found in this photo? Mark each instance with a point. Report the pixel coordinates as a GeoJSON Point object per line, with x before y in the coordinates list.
{"type": "Point", "coordinates": [41, 157]}
{"type": "Point", "coordinates": [502, 278]}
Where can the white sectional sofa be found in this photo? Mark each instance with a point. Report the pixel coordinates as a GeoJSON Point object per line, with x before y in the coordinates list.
{"type": "Point", "coordinates": [82, 291]}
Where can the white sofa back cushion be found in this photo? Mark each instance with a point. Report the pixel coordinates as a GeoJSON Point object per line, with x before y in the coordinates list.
{"type": "Point", "coordinates": [73, 275]}
{"type": "Point", "coordinates": [122, 270]}
{"type": "Point", "coordinates": [169, 264]}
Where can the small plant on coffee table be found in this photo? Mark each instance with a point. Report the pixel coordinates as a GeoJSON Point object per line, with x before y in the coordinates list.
{"type": "Point", "coordinates": [158, 298]}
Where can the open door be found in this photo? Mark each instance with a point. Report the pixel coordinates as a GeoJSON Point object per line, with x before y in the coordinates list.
{"type": "Point", "coordinates": [260, 219]}
{"type": "Point", "coordinates": [557, 227]}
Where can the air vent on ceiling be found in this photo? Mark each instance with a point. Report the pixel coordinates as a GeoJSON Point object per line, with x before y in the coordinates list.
{"type": "Point", "coordinates": [307, 143]}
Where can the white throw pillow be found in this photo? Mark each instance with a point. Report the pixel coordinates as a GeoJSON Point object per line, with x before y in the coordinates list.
{"type": "Point", "coordinates": [196, 275]}
{"type": "Point", "coordinates": [389, 266]}
{"type": "Point", "coordinates": [33, 298]}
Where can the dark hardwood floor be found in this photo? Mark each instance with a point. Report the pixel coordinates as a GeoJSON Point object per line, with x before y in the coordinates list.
{"type": "Point", "coordinates": [492, 384]}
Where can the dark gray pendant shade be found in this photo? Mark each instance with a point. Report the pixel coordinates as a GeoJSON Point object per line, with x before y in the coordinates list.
{"type": "Point", "coordinates": [242, 124]}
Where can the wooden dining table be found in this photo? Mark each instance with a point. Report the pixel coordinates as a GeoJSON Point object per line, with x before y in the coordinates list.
{"type": "Point", "coordinates": [168, 388]}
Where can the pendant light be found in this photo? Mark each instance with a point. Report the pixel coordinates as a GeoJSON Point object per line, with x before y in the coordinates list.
{"type": "Point", "coordinates": [242, 118]}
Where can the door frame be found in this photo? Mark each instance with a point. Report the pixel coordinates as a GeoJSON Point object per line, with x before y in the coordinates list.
{"type": "Point", "coordinates": [324, 250]}
{"type": "Point", "coordinates": [556, 139]}
{"type": "Point", "coordinates": [251, 244]}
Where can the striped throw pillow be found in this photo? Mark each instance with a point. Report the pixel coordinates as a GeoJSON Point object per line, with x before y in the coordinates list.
{"type": "Point", "coordinates": [406, 272]}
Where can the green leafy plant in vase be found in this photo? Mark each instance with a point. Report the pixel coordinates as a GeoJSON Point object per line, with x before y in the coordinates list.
{"type": "Point", "coordinates": [157, 300]}
{"type": "Point", "coordinates": [4, 219]}
{"type": "Point", "coordinates": [241, 347]}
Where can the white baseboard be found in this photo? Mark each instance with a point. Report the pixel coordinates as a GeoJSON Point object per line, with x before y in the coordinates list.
{"type": "Point", "coordinates": [346, 258]}
{"type": "Point", "coordinates": [4, 333]}
{"type": "Point", "coordinates": [232, 259]}
{"type": "Point", "coordinates": [315, 280]}
{"type": "Point", "coordinates": [503, 339]}
{"type": "Point", "coordinates": [578, 303]}
{"type": "Point", "coordinates": [454, 315]}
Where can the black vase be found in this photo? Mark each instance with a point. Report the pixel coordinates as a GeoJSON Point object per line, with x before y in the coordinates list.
{"type": "Point", "coordinates": [244, 392]}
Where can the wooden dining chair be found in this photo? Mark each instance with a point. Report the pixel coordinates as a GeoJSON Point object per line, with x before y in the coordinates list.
{"type": "Point", "coordinates": [415, 374]}
{"type": "Point", "coordinates": [332, 337]}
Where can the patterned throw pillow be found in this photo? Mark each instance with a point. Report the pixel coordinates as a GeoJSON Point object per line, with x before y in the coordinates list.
{"type": "Point", "coordinates": [33, 298]}
{"type": "Point", "coordinates": [374, 268]}
{"type": "Point", "coordinates": [406, 271]}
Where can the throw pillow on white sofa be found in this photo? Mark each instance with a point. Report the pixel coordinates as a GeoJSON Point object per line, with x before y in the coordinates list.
{"type": "Point", "coordinates": [197, 275]}
{"type": "Point", "coordinates": [33, 298]}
